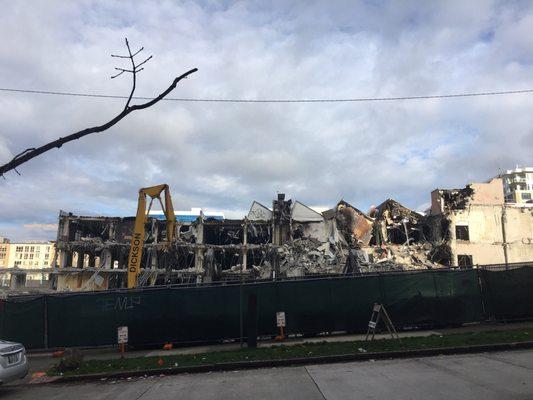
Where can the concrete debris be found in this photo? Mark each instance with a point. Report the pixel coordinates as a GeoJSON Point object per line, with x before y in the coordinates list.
{"type": "Point", "coordinates": [307, 256]}
{"type": "Point", "coordinates": [391, 258]}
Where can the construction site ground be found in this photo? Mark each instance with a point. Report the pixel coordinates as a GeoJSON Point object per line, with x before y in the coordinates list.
{"type": "Point", "coordinates": [42, 361]}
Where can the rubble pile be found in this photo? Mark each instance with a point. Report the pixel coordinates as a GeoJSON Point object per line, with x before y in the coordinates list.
{"type": "Point", "coordinates": [310, 256]}
{"type": "Point", "coordinates": [412, 257]}
{"type": "Point", "coordinates": [390, 238]}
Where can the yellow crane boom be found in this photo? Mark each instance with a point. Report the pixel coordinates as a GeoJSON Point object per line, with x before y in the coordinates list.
{"type": "Point", "coordinates": [137, 239]}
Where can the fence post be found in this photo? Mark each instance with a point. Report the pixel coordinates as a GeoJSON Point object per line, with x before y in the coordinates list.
{"type": "Point", "coordinates": [241, 328]}
{"type": "Point", "coordinates": [2, 317]}
{"type": "Point", "coordinates": [45, 317]}
{"type": "Point", "coordinates": [436, 304]}
{"type": "Point", "coordinates": [479, 273]}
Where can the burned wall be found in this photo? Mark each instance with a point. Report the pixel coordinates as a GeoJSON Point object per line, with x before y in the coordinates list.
{"type": "Point", "coordinates": [355, 226]}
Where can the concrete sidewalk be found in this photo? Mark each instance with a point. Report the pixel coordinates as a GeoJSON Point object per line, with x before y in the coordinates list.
{"type": "Point", "coordinates": [500, 375]}
{"type": "Point", "coordinates": [40, 362]}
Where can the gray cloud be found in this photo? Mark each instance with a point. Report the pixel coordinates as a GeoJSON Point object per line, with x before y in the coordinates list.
{"type": "Point", "coordinates": [225, 155]}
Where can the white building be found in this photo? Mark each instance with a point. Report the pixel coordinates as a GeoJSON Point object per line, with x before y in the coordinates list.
{"type": "Point", "coordinates": [518, 185]}
{"type": "Point", "coordinates": [30, 256]}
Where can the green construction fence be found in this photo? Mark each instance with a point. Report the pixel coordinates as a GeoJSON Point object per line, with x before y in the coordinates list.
{"type": "Point", "coordinates": [213, 313]}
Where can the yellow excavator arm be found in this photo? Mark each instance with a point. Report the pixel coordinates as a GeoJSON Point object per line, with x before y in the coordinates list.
{"type": "Point", "coordinates": [137, 239]}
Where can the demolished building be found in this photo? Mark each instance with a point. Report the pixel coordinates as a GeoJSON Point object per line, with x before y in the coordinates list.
{"type": "Point", "coordinates": [464, 227]}
{"type": "Point", "coordinates": [288, 240]}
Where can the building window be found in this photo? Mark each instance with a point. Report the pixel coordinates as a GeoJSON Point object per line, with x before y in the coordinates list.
{"type": "Point", "coordinates": [465, 260]}
{"type": "Point", "coordinates": [17, 263]}
{"type": "Point", "coordinates": [526, 196]}
{"type": "Point", "coordinates": [19, 249]}
{"type": "Point", "coordinates": [26, 248]}
{"type": "Point", "coordinates": [461, 232]}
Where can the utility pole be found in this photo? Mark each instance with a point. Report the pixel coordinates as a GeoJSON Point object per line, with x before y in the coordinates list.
{"type": "Point", "coordinates": [504, 236]}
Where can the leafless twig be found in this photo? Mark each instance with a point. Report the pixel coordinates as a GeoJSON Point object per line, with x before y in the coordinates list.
{"type": "Point", "coordinates": [33, 152]}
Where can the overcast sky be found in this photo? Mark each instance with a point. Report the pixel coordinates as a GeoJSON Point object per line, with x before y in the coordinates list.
{"type": "Point", "coordinates": [223, 156]}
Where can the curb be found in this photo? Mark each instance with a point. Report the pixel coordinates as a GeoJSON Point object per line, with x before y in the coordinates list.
{"type": "Point", "coordinates": [243, 365]}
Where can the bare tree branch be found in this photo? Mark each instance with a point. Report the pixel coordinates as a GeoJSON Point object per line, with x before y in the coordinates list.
{"type": "Point", "coordinates": [124, 70]}
{"type": "Point", "coordinates": [33, 152]}
{"type": "Point", "coordinates": [134, 75]}
{"type": "Point", "coordinates": [138, 51]}
{"type": "Point", "coordinates": [117, 75]}
{"type": "Point", "coordinates": [148, 59]}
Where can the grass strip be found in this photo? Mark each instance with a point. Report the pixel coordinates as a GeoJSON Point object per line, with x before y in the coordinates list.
{"type": "Point", "coordinates": [305, 350]}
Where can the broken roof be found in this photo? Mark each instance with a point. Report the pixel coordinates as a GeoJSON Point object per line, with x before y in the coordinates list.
{"type": "Point", "coordinates": [394, 209]}
{"type": "Point", "coordinates": [259, 212]}
{"type": "Point", "coordinates": [302, 213]}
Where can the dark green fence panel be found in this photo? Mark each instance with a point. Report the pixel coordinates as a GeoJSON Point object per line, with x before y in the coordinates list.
{"type": "Point", "coordinates": [2, 317]}
{"type": "Point", "coordinates": [508, 294]}
{"type": "Point", "coordinates": [209, 313]}
{"type": "Point", "coordinates": [152, 316]}
{"type": "Point", "coordinates": [22, 321]}
{"type": "Point", "coordinates": [267, 306]}
{"type": "Point", "coordinates": [88, 319]}
{"type": "Point", "coordinates": [146, 313]}
{"type": "Point", "coordinates": [458, 297]}
{"type": "Point", "coordinates": [351, 302]}
{"type": "Point", "coordinates": [410, 298]}
{"type": "Point", "coordinates": [307, 305]}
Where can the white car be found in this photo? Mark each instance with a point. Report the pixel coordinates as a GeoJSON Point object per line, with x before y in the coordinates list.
{"type": "Point", "coordinates": [13, 362]}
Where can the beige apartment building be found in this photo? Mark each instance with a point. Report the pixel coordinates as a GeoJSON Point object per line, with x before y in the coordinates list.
{"type": "Point", "coordinates": [29, 257]}
{"type": "Point", "coordinates": [4, 252]}
{"type": "Point", "coordinates": [478, 227]}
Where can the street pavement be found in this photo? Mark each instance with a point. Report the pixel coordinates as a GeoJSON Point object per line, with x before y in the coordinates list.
{"type": "Point", "coordinates": [502, 375]}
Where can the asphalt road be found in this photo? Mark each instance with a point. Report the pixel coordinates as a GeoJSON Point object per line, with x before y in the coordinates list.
{"type": "Point", "coordinates": [504, 375]}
